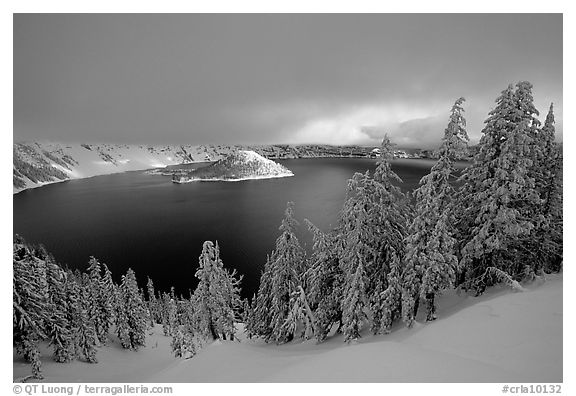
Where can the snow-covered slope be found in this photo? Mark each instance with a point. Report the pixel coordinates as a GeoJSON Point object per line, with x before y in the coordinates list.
{"type": "Point", "coordinates": [36, 164]}
{"type": "Point", "coordinates": [239, 165]}
{"type": "Point", "coordinates": [502, 336]}
{"type": "Point", "coordinates": [39, 163]}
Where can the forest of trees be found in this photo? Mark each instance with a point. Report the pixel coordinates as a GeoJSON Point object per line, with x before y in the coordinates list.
{"type": "Point", "coordinates": [391, 253]}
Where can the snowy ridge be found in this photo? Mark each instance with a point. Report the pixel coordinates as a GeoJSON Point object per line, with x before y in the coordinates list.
{"type": "Point", "coordinates": [38, 163]}
{"type": "Point", "coordinates": [237, 166]}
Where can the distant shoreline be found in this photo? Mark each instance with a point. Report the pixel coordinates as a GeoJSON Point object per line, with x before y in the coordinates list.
{"type": "Point", "coordinates": [158, 171]}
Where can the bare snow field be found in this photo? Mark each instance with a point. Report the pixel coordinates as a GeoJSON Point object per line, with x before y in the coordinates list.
{"type": "Point", "coordinates": [501, 336]}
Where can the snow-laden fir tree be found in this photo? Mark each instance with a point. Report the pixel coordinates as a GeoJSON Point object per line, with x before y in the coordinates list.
{"type": "Point", "coordinates": [100, 310]}
{"type": "Point", "coordinates": [216, 296]}
{"type": "Point", "coordinates": [78, 299]}
{"type": "Point", "coordinates": [88, 332]}
{"type": "Point", "coordinates": [430, 246]}
{"type": "Point", "coordinates": [551, 190]}
{"type": "Point", "coordinates": [58, 327]}
{"type": "Point", "coordinates": [324, 281]}
{"type": "Point", "coordinates": [207, 312]}
{"type": "Point", "coordinates": [145, 307]}
{"type": "Point", "coordinates": [186, 337]}
{"type": "Point", "coordinates": [546, 241]}
{"type": "Point", "coordinates": [555, 213]}
{"type": "Point", "coordinates": [281, 278]}
{"type": "Point", "coordinates": [248, 315]}
{"type": "Point", "coordinates": [355, 305]}
{"type": "Point", "coordinates": [129, 312]}
{"type": "Point", "coordinates": [152, 303]}
{"type": "Point", "coordinates": [135, 322]}
{"type": "Point", "coordinates": [232, 293]}
{"type": "Point", "coordinates": [498, 196]}
{"type": "Point", "coordinates": [389, 305]}
{"type": "Point", "coordinates": [168, 313]}
{"type": "Point", "coordinates": [372, 228]}
{"type": "Point", "coordinates": [260, 320]}
{"type": "Point", "coordinates": [94, 293]}
{"type": "Point", "coordinates": [543, 154]}
{"type": "Point", "coordinates": [109, 301]}
{"type": "Point", "coordinates": [55, 322]}
{"type": "Point", "coordinates": [120, 318]}
{"type": "Point", "coordinates": [183, 343]}
{"type": "Point", "coordinates": [439, 270]}
{"type": "Point", "coordinates": [300, 314]}
{"type": "Point", "coordinates": [173, 309]}
{"type": "Point", "coordinates": [29, 305]}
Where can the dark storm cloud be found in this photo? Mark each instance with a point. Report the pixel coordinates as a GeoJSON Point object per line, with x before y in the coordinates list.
{"type": "Point", "coordinates": [272, 78]}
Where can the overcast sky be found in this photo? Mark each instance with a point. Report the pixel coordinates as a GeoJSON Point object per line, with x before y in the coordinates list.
{"type": "Point", "coordinates": [335, 79]}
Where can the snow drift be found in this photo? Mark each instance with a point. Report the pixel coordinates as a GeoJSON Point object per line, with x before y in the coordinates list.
{"type": "Point", "coordinates": [502, 336]}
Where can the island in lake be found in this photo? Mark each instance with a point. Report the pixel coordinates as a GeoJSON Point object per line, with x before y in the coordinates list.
{"type": "Point", "coordinates": [239, 165]}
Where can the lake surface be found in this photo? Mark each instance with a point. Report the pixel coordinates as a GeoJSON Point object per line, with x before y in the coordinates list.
{"type": "Point", "coordinates": [157, 227]}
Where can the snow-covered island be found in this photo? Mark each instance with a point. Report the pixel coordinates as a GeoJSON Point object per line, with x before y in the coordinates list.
{"type": "Point", "coordinates": [237, 166]}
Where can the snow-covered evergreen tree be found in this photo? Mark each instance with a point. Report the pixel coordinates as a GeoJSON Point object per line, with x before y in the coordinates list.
{"type": "Point", "coordinates": [88, 335]}
{"type": "Point", "coordinates": [152, 303]}
{"type": "Point", "coordinates": [261, 316]}
{"type": "Point", "coordinates": [554, 205]}
{"type": "Point", "coordinates": [324, 281]}
{"type": "Point", "coordinates": [183, 342]}
{"type": "Point", "coordinates": [107, 303]}
{"type": "Point", "coordinates": [188, 315]}
{"type": "Point", "coordinates": [281, 277]}
{"type": "Point", "coordinates": [439, 270]}
{"type": "Point", "coordinates": [135, 322]}
{"type": "Point", "coordinates": [300, 314]}
{"type": "Point", "coordinates": [100, 309]}
{"type": "Point", "coordinates": [81, 327]}
{"type": "Point", "coordinates": [30, 299]}
{"type": "Point", "coordinates": [430, 246]}
{"type": "Point", "coordinates": [58, 326]}
{"type": "Point", "coordinates": [546, 241]}
{"type": "Point", "coordinates": [121, 320]}
{"type": "Point", "coordinates": [543, 154]}
{"type": "Point", "coordinates": [93, 288]}
{"type": "Point", "coordinates": [354, 305]}
{"type": "Point", "coordinates": [168, 313]}
{"type": "Point", "coordinates": [216, 296]}
{"type": "Point", "coordinates": [145, 307]}
{"type": "Point", "coordinates": [498, 196]}
{"type": "Point", "coordinates": [387, 308]}
{"type": "Point", "coordinates": [372, 229]}
{"type": "Point", "coordinates": [248, 315]}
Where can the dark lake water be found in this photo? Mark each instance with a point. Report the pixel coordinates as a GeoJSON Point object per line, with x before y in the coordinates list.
{"type": "Point", "coordinates": [157, 228]}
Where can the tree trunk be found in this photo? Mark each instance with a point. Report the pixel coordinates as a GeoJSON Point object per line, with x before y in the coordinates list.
{"type": "Point", "coordinates": [430, 307]}
{"type": "Point", "coordinates": [212, 330]}
{"type": "Point", "coordinates": [416, 305]}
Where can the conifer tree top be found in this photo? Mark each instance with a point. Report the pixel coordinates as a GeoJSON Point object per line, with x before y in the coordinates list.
{"type": "Point", "coordinates": [455, 135]}
{"type": "Point", "coordinates": [289, 223]}
{"type": "Point", "coordinates": [384, 172]}
{"type": "Point", "coordinates": [550, 117]}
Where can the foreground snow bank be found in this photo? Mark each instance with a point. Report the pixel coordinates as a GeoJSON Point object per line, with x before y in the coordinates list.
{"type": "Point", "coordinates": [501, 336]}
